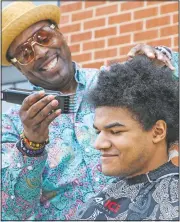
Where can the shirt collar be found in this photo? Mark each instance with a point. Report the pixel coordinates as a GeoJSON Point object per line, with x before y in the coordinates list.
{"type": "Point", "coordinates": [165, 170]}
{"type": "Point", "coordinates": [78, 75]}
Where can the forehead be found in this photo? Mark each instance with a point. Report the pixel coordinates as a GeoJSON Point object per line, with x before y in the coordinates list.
{"type": "Point", "coordinates": [107, 115]}
{"type": "Point", "coordinates": [26, 34]}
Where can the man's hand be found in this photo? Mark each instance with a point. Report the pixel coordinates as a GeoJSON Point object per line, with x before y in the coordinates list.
{"type": "Point", "coordinates": [36, 114]}
{"type": "Point", "coordinates": [151, 52]}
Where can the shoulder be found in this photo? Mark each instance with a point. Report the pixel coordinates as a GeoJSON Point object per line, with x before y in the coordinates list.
{"type": "Point", "coordinates": [88, 76]}
{"type": "Point", "coordinates": [166, 190]}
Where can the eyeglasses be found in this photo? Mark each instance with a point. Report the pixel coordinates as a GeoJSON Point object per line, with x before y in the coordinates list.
{"type": "Point", "coordinates": [25, 53]}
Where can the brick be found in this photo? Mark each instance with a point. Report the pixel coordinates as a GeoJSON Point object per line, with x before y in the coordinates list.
{"type": "Point", "coordinates": [106, 10]}
{"type": "Point", "coordinates": [175, 18]}
{"type": "Point", "coordinates": [143, 36]}
{"type": "Point", "coordinates": [118, 19]}
{"type": "Point", "coordinates": [119, 40]}
{"type": "Point", "coordinates": [105, 32]}
{"type": "Point", "coordinates": [125, 49]}
{"type": "Point", "coordinates": [96, 65]}
{"type": "Point", "coordinates": [172, 7]}
{"type": "Point", "coordinates": [75, 48]}
{"type": "Point", "coordinates": [105, 53]}
{"type": "Point", "coordinates": [93, 45]}
{"type": "Point", "coordinates": [123, 59]}
{"type": "Point", "coordinates": [131, 5]}
{"type": "Point", "coordinates": [70, 28]}
{"type": "Point", "coordinates": [70, 7]}
{"type": "Point", "coordinates": [166, 42]}
{"type": "Point", "coordinates": [175, 49]}
{"type": "Point", "coordinates": [112, 61]}
{"type": "Point", "coordinates": [81, 37]}
{"type": "Point", "coordinates": [145, 13]}
{"type": "Point", "coordinates": [167, 31]}
{"type": "Point", "coordinates": [82, 15]}
{"type": "Point", "coordinates": [93, 3]}
{"type": "Point", "coordinates": [64, 8]}
{"type": "Point", "coordinates": [176, 41]}
{"type": "Point", "coordinates": [165, 20]}
{"type": "Point", "coordinates": [82, 57]}
{"type": "Point", "coordinates": [152, 2]}
{"type": "Point", "coordinates": [64, 19]}
{"type": "Point", "coordinates": [135, 26]}
{"type": "Point", "coordinates": [94, 24]}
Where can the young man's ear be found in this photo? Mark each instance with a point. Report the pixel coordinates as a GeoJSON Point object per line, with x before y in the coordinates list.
{"type": "Point", "coordinates": [159, 131]}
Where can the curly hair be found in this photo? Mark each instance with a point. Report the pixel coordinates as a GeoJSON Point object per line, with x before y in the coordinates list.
{"type": "Point", "coordinates": [147, 90]}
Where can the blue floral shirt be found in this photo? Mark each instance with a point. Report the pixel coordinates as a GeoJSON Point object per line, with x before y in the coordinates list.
{"type": "Point", "coordinates": [53, 186]}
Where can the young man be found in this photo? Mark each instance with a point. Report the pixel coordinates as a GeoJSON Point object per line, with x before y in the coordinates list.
{"type": "Point", "coordinates": [66, 172]}
{"type": "Point", "coordinates": [136, 121]}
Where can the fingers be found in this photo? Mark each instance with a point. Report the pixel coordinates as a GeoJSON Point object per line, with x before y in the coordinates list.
{"type": "Point", "coordinates": [133, 51]}
{"type": "Point", "coordinates": [30, 100]}
{"type": "Point", "coordinates": [37, 131]}
{"type": "Point", "coordinates": [142, 49]}
{"type": "Point", "coordinates": [164, 59]}
{"type": "Point", "coordinates": [36, 114]}
{"type": "Point", "coordinates": [160, 56]}
{"type": "Point", "coordinates": [45, 123]}
{"type": "Point", "coordinates": [38, 106]}
{"type": "Point", "coordinates": [169, 64]}
{"type": "Point", "coordinates": [38, 111]}
{"type": "Point", "coordinates": [151, 53]}
{"type": "Point", "coordinates": [45, 112]}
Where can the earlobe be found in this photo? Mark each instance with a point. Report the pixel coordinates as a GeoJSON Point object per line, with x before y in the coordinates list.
{"type": "Point", "coordinates": [159, 131]}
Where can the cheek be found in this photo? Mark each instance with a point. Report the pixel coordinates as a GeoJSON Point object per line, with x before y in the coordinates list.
{"type": "Point", "coordinates": [124, 142]}
{"type": "Point", "coordinates": [128, 146]}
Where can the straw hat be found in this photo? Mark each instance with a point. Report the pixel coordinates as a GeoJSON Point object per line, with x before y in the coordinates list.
{"type": "Point", "coordinates": [18, 16]}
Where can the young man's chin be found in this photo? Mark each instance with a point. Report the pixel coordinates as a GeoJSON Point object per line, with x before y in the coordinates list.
{"type": "Point", "coordinates": [116, 173]}
{"type": "Point", "coordinates": [108, 172]}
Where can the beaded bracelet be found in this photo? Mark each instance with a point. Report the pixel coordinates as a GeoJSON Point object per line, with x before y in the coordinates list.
{"type": "Point", "coordinates": [28, 152]}
{"type": "Point", "coordinates": [33, 145]}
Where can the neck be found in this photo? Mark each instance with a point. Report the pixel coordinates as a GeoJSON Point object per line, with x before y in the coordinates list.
{"type": "Point", "coordinates": [157, 159]}
{"type": "Point", "coordinates": [70, 87]}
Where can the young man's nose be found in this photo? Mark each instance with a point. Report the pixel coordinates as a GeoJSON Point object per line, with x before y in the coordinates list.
{"type": "Point", "coordinates": [102, 142]}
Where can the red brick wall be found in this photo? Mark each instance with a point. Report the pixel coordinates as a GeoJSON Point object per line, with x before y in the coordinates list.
{"type": "Point", "coordinates": [102, 31]}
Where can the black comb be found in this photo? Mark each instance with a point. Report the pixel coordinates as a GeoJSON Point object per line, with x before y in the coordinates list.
{"type": "Point", "coordinates": [16, 96]}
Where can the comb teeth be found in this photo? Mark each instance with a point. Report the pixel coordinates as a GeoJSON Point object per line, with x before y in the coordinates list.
{"type": "Point", "coordinates": [69, 104]}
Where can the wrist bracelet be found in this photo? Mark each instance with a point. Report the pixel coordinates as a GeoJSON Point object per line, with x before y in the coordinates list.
{"type": "Point", "coordinates": [33, 145]}
{"type": "Point", "coordinates": [28, 152]}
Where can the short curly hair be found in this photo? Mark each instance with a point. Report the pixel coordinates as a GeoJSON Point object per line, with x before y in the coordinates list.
{"type": "Point", "coordinates": [147, 90]}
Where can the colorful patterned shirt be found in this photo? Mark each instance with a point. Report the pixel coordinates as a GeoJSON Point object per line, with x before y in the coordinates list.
{"type": "Point", "coordinates": [53, 186]}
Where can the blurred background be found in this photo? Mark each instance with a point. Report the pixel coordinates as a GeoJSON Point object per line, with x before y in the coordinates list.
{"type": "Point", "coordinates": [100, 32]}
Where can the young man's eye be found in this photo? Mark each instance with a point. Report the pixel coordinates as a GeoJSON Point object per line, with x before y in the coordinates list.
{"type": "Point", "coordinates": [115, 132]}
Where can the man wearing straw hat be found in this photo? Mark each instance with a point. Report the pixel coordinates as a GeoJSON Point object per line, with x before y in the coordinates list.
{"type": "Point", "coordinates": [65, 172]}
